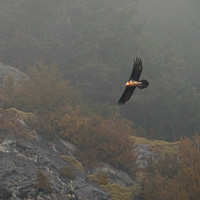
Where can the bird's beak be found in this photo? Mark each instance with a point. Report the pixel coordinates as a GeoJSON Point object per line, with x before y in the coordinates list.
{"type": "Point", "coordinates": [127, 84]}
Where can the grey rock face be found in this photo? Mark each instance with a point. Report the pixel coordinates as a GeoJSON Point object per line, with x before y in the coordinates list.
{"type": "Point", "coordinates": [20, 161]}
{"type": "Point", "coordinates": [143, 153]}
{"type": "Point", "coordinates": [116, 176]}
{"type": "Point", "coordinates": [4, 193]}
{"type": "Point", "coordinates": [6, 70]}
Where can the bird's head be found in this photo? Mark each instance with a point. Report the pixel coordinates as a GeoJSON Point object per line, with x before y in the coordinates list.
{"type": "Point", "coordinates": [127, 84]}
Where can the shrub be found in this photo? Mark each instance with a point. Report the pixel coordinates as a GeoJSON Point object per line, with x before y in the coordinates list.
{"type": "Point", "coordinates": [107, 141]}
{"type": "Point", "coordinates": [67, 172]}
{"type": "Point", "coordinates": [176, 178]}
{"type": "Point", "coordinates": [43, 183]}
{"type": "Point", "coordinates": [48, 96]}
{"type": "Point", "coordinates": [100, 178]}
{"type": "Point", "coordinates": [40, 92]}
{"type": "Point", "coordinates": [69, 123]}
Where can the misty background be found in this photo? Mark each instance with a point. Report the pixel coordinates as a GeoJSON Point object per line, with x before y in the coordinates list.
{"type": "Point", "coordinates": [94, 44]}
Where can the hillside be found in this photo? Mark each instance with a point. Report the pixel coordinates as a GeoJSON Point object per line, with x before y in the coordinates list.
{"type": "Point", "coordinates": [93, 44]}
{"type": "Point", "coordinates": [34, 168]}
{"type": "Point", "coordinates": [58, 148]}
{"type": "Point", "coordinates": [63, 65]}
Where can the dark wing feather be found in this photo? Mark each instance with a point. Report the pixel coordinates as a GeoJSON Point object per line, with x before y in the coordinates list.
{"type": "Point", "coordinates": [126, 95]}
{"type": "Point", "coordinates": [137, 70]}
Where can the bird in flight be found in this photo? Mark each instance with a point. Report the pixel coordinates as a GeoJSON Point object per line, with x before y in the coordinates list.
{"type": "Point", "coordinates": [133, 82]}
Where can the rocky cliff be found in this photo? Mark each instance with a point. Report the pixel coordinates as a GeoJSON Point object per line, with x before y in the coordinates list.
{"type": "Point", "coordinates": [34, 168]}
{"type": "Point", "coordinates": [20, 161]}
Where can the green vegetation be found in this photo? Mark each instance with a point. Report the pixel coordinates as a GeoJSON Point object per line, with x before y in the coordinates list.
{"type": "Point", "coordinates": [158, 146]}
{"type": "Point", "coordinates": [20, 114]}
{"type": "Point", "coordinates": [118, 192]}
{"type": "Point", "coordinates": [73, 162]}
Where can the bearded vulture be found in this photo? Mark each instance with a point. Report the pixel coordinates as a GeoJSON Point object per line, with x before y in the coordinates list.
{"type": "Point", "coordinates": [133, 82]}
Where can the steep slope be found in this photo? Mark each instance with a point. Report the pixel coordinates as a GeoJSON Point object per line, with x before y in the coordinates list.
{"type": "Point", "coordinates": [33, 168]}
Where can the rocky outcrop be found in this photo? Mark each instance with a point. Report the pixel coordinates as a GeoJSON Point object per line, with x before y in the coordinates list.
{"type": "Point", "coordinates": [21, 159]}
{"type": "Point", "coordinates": [24, 155]}
{"type": "Point", "coordinates": [143, 154]}
{"type": "Point", "coordinates": [6, 70]}
{"type": "Point", "coordinates": [115, 176]}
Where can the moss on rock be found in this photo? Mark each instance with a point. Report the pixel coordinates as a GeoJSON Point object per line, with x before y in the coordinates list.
{"type": "Point", "coordinates": [19, 113]}
{"type": "Point", "coordinates": [73, 162]}
{"type": "Point", "coordinates": [92, 178]}
{"type": "Point", "coordinates": [158, 146]}
{"type": "Point", "coordinates": [119, 192]}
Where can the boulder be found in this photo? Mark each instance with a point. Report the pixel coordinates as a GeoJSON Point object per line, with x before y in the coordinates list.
{"type": "Point", "coordinates": [115, 176]}
{"type": "Point", "coordinates": [6, 70]}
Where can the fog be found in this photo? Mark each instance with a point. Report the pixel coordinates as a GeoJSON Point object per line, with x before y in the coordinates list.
{"type": "Point", "coordinates": [94, 44]}
{"type": "Point", "coordinates": [171, 47]}
{"type": "Point", "coordinates": [175, 20]}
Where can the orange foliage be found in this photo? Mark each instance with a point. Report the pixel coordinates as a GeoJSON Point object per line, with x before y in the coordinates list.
{"type": "Point", "coordinates": [48, 96]}
{"type": "Point", "coordinates": [107, 141]}
{"type": "Point", "coordinates": [10, 123]}
{"type": "Point", "coordinates": [70, 123]}
{"type": "Point", "coordinates": [44, 91]}
{"type": "Point", "coordinates": [54, 104]}
{"type": "Point", "coordinates": [65, 123]}
{"type": "Point", "coordinates": [185, 184]}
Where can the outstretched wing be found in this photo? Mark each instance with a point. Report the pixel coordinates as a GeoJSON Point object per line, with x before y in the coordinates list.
{"type": "Point", "coordinates": [137, 70]}
{"type": "Point", "coordinates": [135, 75]}
{"type": "Point", "coordinates": [126, 95]}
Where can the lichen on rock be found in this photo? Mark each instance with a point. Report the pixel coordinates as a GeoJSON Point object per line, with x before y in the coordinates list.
{"type": "Point", "coordinates": [73, 162]}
